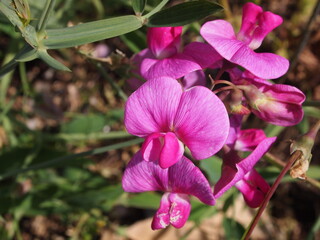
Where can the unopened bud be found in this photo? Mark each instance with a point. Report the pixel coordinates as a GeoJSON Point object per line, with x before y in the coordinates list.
{"type": "Point", "coordinates": [304, 144]}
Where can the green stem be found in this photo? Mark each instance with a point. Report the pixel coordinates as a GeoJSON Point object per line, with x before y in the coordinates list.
{"type": "Point", "coordinates": [24, 79]}
{"type": "Point", "coordinates": [156, 9]}
{"type": "Point", "coordinates": [87, 137]}
{"type": "Point", "coordinates": [294, 157]}
{"type": "Point", "coordinates": [110, 80]}
{"type": "Point", "coordinates": [48, 8]}
{"type": "Point", "coordinates": [58, 160]}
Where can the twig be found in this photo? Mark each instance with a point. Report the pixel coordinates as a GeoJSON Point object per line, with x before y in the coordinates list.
{"type": "Point", "coordinates": [294, 157]}
{"type": "Point", "coordinates": [280, 163]}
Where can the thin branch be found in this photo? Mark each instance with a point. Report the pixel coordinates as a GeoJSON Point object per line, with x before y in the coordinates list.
{"type": "Point", "coordinates": [294, 157]}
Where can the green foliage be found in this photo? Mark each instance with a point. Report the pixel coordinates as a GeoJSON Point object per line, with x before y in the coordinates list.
{"type": "Point", "coordinates": [183, 14]}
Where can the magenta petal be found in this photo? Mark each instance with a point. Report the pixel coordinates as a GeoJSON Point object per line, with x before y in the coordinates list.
{"type": "Point", "coordinates": [162, 217]}
{"type": "Point", "coordinates": [151, 147]}
{"type": "Point", "coordinates": [235, 125]}
{"type": "Point", "coordinates": [172, 150]}
{"type": "Point", "coordinates": [186, 178]}
{"type": "Point", "coordinates": [142, 176]}
{"type": "Point", "coordinates": [251, 195]}
{"type": "Point", "coordinates": [196, 78]}
{"type": "Point", "coordinates": [263, 65]}
{"type": "Point", "coordinates": [152, 107]}
{"type": "Point", "coordinates": [164, 41]}
{"type": "Point", "coordinates": [202, 53]}
{"type": "Point", "coordinates": [248, 139]}
{"type": "Point", "coordinates": [254, 188]}
{"type": "Point", "coordinates": [234, 169]}
{"type": "Point", "coordinates": [180, 209]}
{"type": "Point", "coordinates": [175, 66]}
{"type": "Point", "coordinates": [201, 122]}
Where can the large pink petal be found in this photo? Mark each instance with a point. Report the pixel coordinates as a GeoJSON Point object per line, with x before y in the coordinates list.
{"type": "Point", "coordinates": [142, 176]}
{"type": "Point", "coordinates": [185, 177]}
{"type": "Point", "coordinates": [234, 168]}
{"type": "Point", "coordinates": [175, 66]}
{"type": "Point", "coordinates": [263, 65]}
{"type": "Point", "coordinates": [152, 107]}
{"type": "Point", "coordinates": [201, 122]}
{"type": "Point", "coordinates": [172, 150]}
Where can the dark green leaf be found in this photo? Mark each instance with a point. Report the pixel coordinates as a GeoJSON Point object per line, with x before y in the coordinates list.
{"type": "Point", "coordinates": [233, 230]}
{"type": "Point", "coordinates": [138, 6]}
{"type": "Point", "coordinates": [85, 124]}
{"type": "Point", "coordinates": [91, 31]}
{"type": "Point", "coordinates": [183, 13]}
{"type": "Point", "coordinates": [28, 56]}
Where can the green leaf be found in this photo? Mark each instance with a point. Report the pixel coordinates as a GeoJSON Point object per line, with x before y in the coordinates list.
{"type": "Point", "coordinates": [212, 166]}
{"type": "Point", "coordinates": [138, 6]}
{"type": "Point", "coordinates": [43, 55]}
{"type": "Point", "coordinates": [144, 200]}
{"type": "Point", "coordinates": [232, 229]}
{"type": "Point", "coordinates": [183, 14]}
{"type": "Point", "coordinates": [28, 56]}
{"type": "Point", "coordinates": [200, 211]}
{"type": "Point", "coordinates": [91, 31]}
{"type": "Point", "coordinates": [273, 130]}
{"type": "Point", "coordinates": [312, 112]}
{"type": "Point", "coordinates": [85, 124]}
{"type": "Point", "coordinates": [10, 66]}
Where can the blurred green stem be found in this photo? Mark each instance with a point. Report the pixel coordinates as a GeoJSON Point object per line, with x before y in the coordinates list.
{"type": "Point", "coordinates": [110, 80]}
{"type": "Point", "coordinates": [58, 160]}
{"type": "Point", "coordinates": [24, 79]}
{"type": "Point", "coordinates": [87, 137]}
{"type": "Point", "coordinates": [48, 8]}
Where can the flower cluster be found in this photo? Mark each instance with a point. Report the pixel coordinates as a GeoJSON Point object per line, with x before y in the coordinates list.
{"type": "Point", "coordinates": [174, 110]}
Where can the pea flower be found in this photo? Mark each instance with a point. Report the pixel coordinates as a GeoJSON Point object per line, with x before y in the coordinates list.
{"type": "Point", "coordinates": [168, 117]}
{"type": "Point", "coordinates": [240, 172]}
{"type": "Point", "coordinates": [177, 183]}
{"type": "Point", "coordinates": [278, 104]}
{"type": "Point", "coordinates": [239, 48]}
{"type": "Point", "coordinates": [165, 56]}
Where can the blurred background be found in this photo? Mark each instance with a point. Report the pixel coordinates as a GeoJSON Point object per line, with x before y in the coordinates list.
{"type": "Point", "coordinates": [63, 145]}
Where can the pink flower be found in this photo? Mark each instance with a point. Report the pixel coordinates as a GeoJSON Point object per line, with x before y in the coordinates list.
{"type": "Point", "coordinates": [240, 173]}
{"type": "Point", "coordinates": [165, 56]}
{"type": "Point", "coordinates": [168, 117]}
{"type": "Point", "coordinates": [178, 182]}
{"type": "Point", "coordinates": [278, 104]}
{"type": "Point", "coordinates": [238, 49]}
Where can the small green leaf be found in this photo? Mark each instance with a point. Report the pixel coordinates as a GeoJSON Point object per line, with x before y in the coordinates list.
{"type": "Point", "coordinates": [200, 211]}
{"type": "Point", "coordinates": [85, 124]}
{"type": "Point", "coordinates": [233, 230]}
{"type": "Point", "coordinates": [212, 166]}
{"type": "Point", "coordinates": [91, 31]}
{"type": "Point", "coordinates": [312, 112]}
{"type": "Point", "coordinates": [43, 55]}
{"type": "Point", "coordinates": [183, 14]}
{"type": "Point", "coordinates": [138, 6]}
{"type": "Point", "coordinates": [273, 130]}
